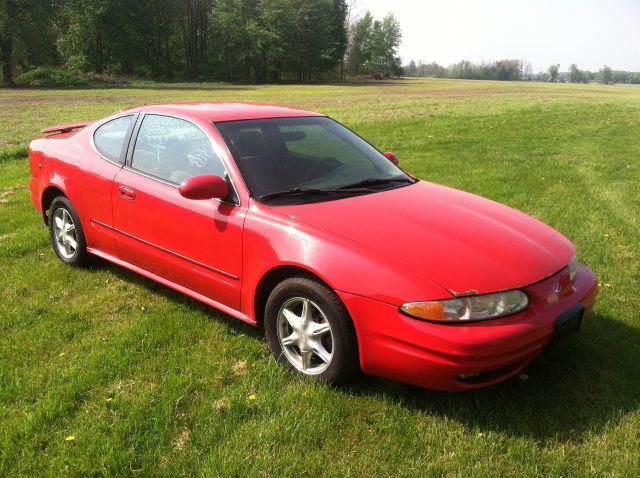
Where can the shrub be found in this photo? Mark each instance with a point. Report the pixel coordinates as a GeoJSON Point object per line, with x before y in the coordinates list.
{"type": "Point", "coordinates": [44, 76]}
{"type": "Point", "coordinates": [11, 154]}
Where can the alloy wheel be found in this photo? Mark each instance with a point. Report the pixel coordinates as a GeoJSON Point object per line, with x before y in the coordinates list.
{"type": "Point", "coordinates": [64, 231]}
{"type": "Point", "coordinates": [305, 335]}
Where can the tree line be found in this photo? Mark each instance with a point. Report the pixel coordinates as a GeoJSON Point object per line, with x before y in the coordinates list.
{"type": "Point", "coordinates": [256, 41]}
{"type": "Point", "coordinates": [518, 70]}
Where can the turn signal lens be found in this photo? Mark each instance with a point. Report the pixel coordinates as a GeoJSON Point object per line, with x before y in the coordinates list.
{"type": "Point", "coordinates": [425, 310]}
{"type": "Point", "coordinates": [573, 268]}
{"type": "Point", "coordinates": [469, 308]}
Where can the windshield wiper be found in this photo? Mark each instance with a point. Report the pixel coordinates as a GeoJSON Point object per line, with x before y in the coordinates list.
{"type": "Point", "coordinates": [313, 192]}
{"type": "Point", "coordinates": [295, 192]}
{"type": "Point", "coordinates": [375, 182]}
{"type": "Point", "coordinates": [358, 188]}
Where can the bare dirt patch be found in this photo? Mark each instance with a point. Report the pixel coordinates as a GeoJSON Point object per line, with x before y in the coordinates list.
{"type": "Point", "coordinates": [6, 195]}
{"type": "Point", "coordinates": [181, 440]}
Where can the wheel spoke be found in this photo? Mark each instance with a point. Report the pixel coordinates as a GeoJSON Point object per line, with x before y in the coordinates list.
{"type": "Point", "coordinates": [72, 242]}
{"type": "Point", "coordinates": [70, 227]}
{"type": "Point", "coordinates": [306, 311]}
{"type": "Point", "coordinates": [321, 352]}
{"type": "Point", "coordinates": [306, 358]}
{"type": "Point", "coordinates": [289, 339]}
{"type": "Point", "coordinates": [67, 248]}
{"type": "Point", "coordinates": [59, 222]}
{"type": "Point", "coordinates": [293, 319]}
{"type": "Point", "coordinates": [318, 330]}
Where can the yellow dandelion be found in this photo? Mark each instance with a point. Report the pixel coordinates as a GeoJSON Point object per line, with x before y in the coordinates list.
{"type": "Point", "coordinates": [252, 397]}
{"type": "Point", "coordinates": [70, 438]}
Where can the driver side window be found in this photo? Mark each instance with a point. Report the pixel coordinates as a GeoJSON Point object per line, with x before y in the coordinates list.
{"type": "Point", "coordinates": [174, 149]}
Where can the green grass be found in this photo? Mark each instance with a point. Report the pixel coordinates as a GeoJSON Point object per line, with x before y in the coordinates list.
{"type": "Point", "coordinates": [152, 383]}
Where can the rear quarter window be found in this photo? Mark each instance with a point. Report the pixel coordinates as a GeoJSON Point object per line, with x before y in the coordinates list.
{"type": "Point", "coordinates": [109, 138]}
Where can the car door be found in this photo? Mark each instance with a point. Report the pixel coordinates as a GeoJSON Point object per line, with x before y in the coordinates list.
{"type": "Point", "coordinates": [194, 243]}
{"type": "Point", "coordinates": [93, 188]}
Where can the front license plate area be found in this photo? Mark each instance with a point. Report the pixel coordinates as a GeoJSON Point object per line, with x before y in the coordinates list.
{"type": "Point", "coordinates": [567, 323]}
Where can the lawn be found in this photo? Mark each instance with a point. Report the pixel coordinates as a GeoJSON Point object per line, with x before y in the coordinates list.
{"type": "Point", "coordinates": [106, 373]}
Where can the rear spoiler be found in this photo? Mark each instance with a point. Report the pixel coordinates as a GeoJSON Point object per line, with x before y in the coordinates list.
{"type": "Point", "coordinates": [66, 128]}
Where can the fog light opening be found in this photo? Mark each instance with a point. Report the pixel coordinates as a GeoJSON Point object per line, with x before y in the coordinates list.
{"type": "Point", "coordinates": [486, 376]}
{"type": "Point", "coordinates": [469, 377]}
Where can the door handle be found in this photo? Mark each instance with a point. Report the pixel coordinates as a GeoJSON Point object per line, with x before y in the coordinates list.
{"type": "Point", "coordinates": [127, 193]}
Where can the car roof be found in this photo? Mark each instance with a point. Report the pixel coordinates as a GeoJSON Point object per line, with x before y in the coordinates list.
{"type": "Point", "coordinates": [216, 111]}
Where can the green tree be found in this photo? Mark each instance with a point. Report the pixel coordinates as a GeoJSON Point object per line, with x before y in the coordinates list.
{"type": "Point", "coordinates": [244, 38]}
{"type": "Point", "coordinates": [508, 70]}
{"type": "Point", "coordinates": [195, 22]}
{"type": "Point", "coordinates": [373, 46]}
{"type": "Point", "coordinates": [159, 39]}
{"type": "Point", "coordinates": [360, 49]}
{"type": "Point", "coordinates": [387, 36]}
{"type": "Point", "coordinates": [26, 36]}
{"type": "Point", "coordinates": [315, 37]}
{"type": "Point", "coordinates": [553, 70]}
{"type": "Point", "coordinates": [411, 69]}
{"type": "Point", "coordinates": [605, 75]}
{"type": "Point", "coordinates": [100, 35]}
{"type": "Point", "coordinates": [575, 75]}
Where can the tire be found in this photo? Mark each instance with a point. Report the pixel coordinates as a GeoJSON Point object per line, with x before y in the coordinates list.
{"type": "Point", "coordinates": [66, 233]}
{"type": "Point", "coordinates": [309, 331]}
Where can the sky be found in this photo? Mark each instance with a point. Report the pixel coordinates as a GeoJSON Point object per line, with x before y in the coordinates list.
{"type": "Point", "coordinates": [590, 33]}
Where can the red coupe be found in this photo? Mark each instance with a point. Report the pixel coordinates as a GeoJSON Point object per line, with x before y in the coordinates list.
{"type": "Point", "coordinates": [288, 220]}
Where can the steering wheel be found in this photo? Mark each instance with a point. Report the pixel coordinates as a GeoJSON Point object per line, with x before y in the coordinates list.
{"type": "Point", "coordinates": [324, 164]}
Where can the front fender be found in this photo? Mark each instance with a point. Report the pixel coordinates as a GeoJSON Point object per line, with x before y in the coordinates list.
{"type": "Point", "coordinates": [271, 240]}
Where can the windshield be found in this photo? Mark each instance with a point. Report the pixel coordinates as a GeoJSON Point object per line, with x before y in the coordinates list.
{"type": "Point", "coordinates": [307, 156]}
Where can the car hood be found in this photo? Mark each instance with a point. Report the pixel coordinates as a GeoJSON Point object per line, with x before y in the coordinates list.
{"type": "Point", "coordinates": [463, 242]}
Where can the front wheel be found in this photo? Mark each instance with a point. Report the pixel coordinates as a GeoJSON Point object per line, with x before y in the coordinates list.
{"type": "Point", "coordinates": [309, 331]}
{"type": "Point", "coordinates": [66, 233]}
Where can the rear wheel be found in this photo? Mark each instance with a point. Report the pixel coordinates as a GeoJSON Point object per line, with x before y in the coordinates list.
{"type": "Point", "coordinates": [66, 233]}
{"type": "Point", "coordinates": [309, 331]}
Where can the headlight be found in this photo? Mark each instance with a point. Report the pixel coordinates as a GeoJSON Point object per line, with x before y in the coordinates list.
{"type": "Point", "coordinates": [573, 268]}
{"type": "Point", "coordinates": [469, 308]}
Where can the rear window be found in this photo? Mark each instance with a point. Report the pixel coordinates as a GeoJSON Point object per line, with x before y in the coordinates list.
{"type": "Point", "coordinates": [109, 138]}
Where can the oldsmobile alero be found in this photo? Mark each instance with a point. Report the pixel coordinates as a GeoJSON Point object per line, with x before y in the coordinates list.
{"type": "Point", "coordinates": [286, 219]}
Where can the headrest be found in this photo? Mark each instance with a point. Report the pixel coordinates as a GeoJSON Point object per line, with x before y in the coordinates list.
{"type": "Point", "coordinates": [250, 143]}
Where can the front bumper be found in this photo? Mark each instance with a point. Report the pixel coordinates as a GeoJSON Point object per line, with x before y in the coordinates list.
{"type": "Point", "coordinates": [430, 355]}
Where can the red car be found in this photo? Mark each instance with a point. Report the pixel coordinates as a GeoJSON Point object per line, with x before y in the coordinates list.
{"type": "Point", "coordinates": [286, 219]}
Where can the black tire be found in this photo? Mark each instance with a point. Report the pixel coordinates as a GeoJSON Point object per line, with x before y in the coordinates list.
{"type": "Point", "coordinates": [73, 256]}
{"type": "Point", "coordinates": [328, 308]}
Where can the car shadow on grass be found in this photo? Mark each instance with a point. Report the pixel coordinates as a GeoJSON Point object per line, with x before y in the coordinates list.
{"type": "Point", "coordinates": [584, 384]}
{"type": "Point", "coordinates": [235, 326]}
{"type": "Point", "coordinates": [580, 386]}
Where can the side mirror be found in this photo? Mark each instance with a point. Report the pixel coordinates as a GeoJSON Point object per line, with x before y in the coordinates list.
{"type": "Point", "coordinates": [391, 157]}
{"type": "Point", "coordinates": [204, 186]}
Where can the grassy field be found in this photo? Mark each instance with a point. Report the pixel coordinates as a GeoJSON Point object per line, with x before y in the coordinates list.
{"type": "Point", "coordinates": [105, 373]}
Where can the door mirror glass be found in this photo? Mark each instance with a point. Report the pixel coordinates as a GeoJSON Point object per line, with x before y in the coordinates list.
{"type": "Point", "coordinates": [204, 186]}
